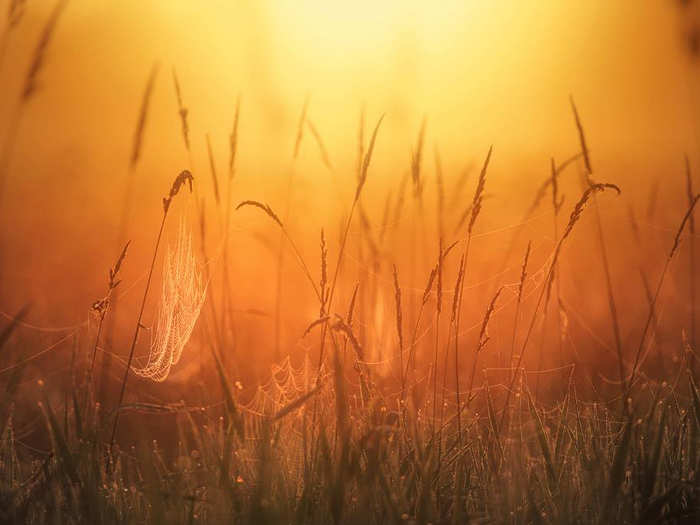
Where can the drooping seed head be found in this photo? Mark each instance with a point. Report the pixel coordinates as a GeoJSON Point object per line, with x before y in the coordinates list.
{"type": "Point", "coordinates": [264, 207]}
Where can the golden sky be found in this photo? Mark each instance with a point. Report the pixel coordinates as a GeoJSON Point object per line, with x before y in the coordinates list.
{"type": "Point", "coordinates": [482, 73]}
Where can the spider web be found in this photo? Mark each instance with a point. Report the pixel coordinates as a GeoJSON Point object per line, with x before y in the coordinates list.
{"type": "Point", "coordinates": [182, 298]}
{"type": "Point", "coordinates": [286, 384]}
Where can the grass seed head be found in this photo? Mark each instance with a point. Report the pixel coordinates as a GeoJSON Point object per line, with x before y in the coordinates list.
{"type": "Point", "coordinates": [182, 112]}
{"type": "Point", "coordinates": [484, 333]}
{"type": "Point", "coordinates": [686, 219]}
{"type": "Point", "coordinates": [300, 127]}
{"type": "Point", "coordinates": [416, 159]}
{"type": "Point", "coordinates": [212, 167]}
{"type": "Point", "coordinates": [39, 56]}
{"type": "Point", "coordinates": [143, 117]}
{"type": "Point", "coordinates": [233, 139]}
{"type": "Point", "coordinates": [264, 207]}
{"type": "Point", "coordinates": [582, 138]}
{"type": "Point", "coordinates": [479, 193]}
{"type": "Point", "coordinates": [15, 12]}
{"type": "Point", "coordinates": [184, 177]}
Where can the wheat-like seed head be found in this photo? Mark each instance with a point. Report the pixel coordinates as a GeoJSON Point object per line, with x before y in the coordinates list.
{"type": "Point", "coordinates": [483, 333]}
{"type": "Point", "coordinates": [101, 306]}
{"type": "Point", "coordinates": [429, 284]}
{"type": "Point", "coordinates": [557, 202]}
{"type": "Point", "coordinates": [367, 159]}
{"type": "Point", "coordinates": [37, 62]}
{"type": "Point", "coordinates": [397, 300]}
{"type": "Point", "coordinates": [438, 284]}
{"type": "Point", "coordinates": [686, 218]}
{"type": "Point", "coordinates": [212, 167]}
{"type": "Point", "coordinates": [264, 207]}
{"type": "Point", "coordinates": [300, 127]}
{"type": "Point", "coordinates": [341, 326]}
{"type": "Point", "coordinates": [479, 193]}
{"type": "Point", "coordinates": [573, 219]}
{"type": "Point", "coordinates": [233, 140]}
{"type": "Point", "coordinates": [416, 159]}
{"type": "Point", "coordinates": [582, 138]}
{"type": "Point", "coordinates": [581, 205]}
{"type": "Point", "coordinates": [184, 177]}
{"type": "Point", "coordinates": [324, 274]}
{"type": "Point", "coordinates": [182, 112]}
{"type": "Point", "coordinates": [523, 270]}
{"type": "Point", "coordinates": [143, 116]}
{"type": "Point", "coordinates": [315, 323]}
{"type": "Point", "coordinates": [455, 298]}
{"type": "Point", "coordinates": [15, 11]}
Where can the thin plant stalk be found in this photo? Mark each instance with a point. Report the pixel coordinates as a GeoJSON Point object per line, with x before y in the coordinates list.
{"type": "Point", "coordinates": [233, 143]}
{"type": "Point", "coordinates": [137, 330]}
{"type": "Point", "coordinates": [521, 286]}
{"type": "Point", "coordinates": [475, 210]}
{"type": "Point", "coordinates": [344, 238]}
{"type": "Point", "coordinates": [539, 196]}
{"type": "Point", "coordinates": [652, 308]}
{"type": "Point", "coordinates": [29, 88]}
{"type": "Point", "coordinates": [134, 158]}
{"type": "Point", "coordinates": [438, 308]}
{"type": "Point", "coordinates": [691, 260]}
{"type": "Point", "coordinates": [557, 204]}
{"type": "Point", "coordinates": [573, 220]}
{"type": "Point", "coordinates": [287, 211]}
{"type": "Point", "coordinates": [185, 176]}
{"type": "Point", "coordinates": [612, 306]}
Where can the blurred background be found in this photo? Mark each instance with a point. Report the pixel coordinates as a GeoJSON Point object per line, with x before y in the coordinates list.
{"type": "Point", "coordinates": [479, 73]}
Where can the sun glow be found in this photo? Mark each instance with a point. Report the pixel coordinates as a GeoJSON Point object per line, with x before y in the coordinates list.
{"type": "Point", "coordinates": [363, 29]}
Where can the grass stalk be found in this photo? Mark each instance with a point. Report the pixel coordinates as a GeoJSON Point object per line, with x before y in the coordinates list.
{"type": "Point", "coordinates": [183, 178]}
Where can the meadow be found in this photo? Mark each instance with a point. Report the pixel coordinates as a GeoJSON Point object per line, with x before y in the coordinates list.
{"type": "Point", "coordinates": [376, 332]}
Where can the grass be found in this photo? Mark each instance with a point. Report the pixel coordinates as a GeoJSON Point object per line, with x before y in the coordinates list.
{"type": "Point", "coordinates": [397, 411]}
{"type": "Point", "coordinates": [31, 79]}
{"type": "Point", "coordinates": [185, 177]}
{"type": "Point", "coordinates": [327, 450]}
{"type": "Point", "coordinates": [499, 456]}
